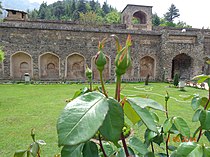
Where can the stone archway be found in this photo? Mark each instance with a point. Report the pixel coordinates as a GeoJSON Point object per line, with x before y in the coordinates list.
{"type": "Point", "coordinates": [147, 67]}
{"type": "Point", "coordinates": [75, 67]}
{"type": "Point", "coordinates": [106, 72]}
{"type": "Point", "coordinates": [49, 66]}
{"type": "Point", "coordinates": [21, 64]}
{"type": "Point", "coordinates": [181, 65]}
{"type": "Point", "coordinates": [139, 17]}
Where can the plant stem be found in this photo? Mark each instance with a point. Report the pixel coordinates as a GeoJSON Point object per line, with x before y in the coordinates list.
{"type": "Point", "coordinates": [168, 137]}
{"type": "Point", "coordinates": [152, 147]}
{"type": "Point", "coordinates": [118, 84]}
{"type": "Point", "coordinates": [101, 145]}
{"type": "Point", "coordinates": [124, 145]}
{"type": "Point", "coordinates": [205, 107]}
{"type": "Point", "coordinates": [167, 140]}
{"type": "Point", "coordinates": [91, 86]}
{"type": "Point", "coordinates": [102, 84]}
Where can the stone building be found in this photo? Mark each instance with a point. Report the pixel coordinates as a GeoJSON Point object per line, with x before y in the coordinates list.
{"type": "Point", "coordinates": [57, 50]}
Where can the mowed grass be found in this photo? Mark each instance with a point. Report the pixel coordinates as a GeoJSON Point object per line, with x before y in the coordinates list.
{"type": "Point", "coordinates": [23, 107]}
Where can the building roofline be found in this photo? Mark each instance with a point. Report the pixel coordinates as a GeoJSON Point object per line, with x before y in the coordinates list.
{"type": "Point", "coordinates": [136, 6]}
{"type": "Point", "coordinates": [21, 11]}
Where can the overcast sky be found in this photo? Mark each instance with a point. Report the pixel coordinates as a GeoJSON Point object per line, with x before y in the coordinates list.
{"type": "Point", "coordinates": [194, 12]}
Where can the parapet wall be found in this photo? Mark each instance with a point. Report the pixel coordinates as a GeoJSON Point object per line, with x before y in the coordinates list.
{"type": "Point", "coordinates": [50, 50]}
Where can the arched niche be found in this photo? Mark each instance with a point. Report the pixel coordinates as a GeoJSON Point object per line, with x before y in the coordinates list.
{"type": "Point", "coordinates": [49, 66]}
{"type": "Point", "coordinates": [21, 63]}
{"type": "Point", "coordinates": [147, 67]}
{"type": "Point", "coordinates": [181, 65]}
{"type": "Point", "coordinates": [139, 17]}
{"type": "Point", "coordinates": [106, 71]}
{"type": "Point", "coordinates": [75, 67]}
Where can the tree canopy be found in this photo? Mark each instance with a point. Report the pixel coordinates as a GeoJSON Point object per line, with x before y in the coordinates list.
{"type": "Point", "coordinates": [92, 11]}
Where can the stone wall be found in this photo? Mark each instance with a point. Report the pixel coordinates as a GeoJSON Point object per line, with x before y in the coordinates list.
{"type": "Point", "coordinates": [61, 51]}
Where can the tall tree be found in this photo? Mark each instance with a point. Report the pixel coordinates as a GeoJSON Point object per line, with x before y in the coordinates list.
{"type": "Point", "coordinates": [0, 8]}
{"type": "Point", "coordinates": [42, 10]}
{"type": "Point", "coordinates": [155, 20]}
{"type": "Point", "coordinates": [106, 8]}
{"type": "Point", "coordinates": [82, 6]}
{"type": "Point", "coordinates": [172, 13]}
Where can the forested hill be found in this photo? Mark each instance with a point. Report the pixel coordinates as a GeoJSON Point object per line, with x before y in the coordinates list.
{"type": "Point", "coordinates": [71, 10]}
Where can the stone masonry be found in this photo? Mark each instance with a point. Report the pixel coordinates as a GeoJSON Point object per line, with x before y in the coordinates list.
{"type": "Point", "coordinates": [57, 50]}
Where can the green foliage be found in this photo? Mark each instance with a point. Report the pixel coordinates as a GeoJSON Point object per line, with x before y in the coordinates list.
{"type": "Point", "coordinates": [33, 150]}
{"type": "Point", "coordinates": [155, 20]}
{"type": "Point", "coordinates": [176, 80]}
{"type": "Point", "coordinates": [172, 13]}
{"type": "Point", "coordinates": [1, 55]}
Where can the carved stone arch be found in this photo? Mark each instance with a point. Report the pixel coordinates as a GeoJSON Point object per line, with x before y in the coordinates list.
{"type": "Point", "coordinates": [21, 63]}
{"type": "Point", "coordinates": [49, 66]}
{"type": "Point", "coordinates": [147, 67]}
{"type": "Point", "coordinates": [141, 17]}
{"type": "Point", "coordinates": [106, 71]}
{"type": "Point", "coordinates": [182, 65]}
{"type": "Point", "coordinates": [75, 66]}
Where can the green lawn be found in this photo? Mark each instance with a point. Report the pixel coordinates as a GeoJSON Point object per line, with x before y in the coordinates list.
{"type": "Point", "coordinates": [23, 107]}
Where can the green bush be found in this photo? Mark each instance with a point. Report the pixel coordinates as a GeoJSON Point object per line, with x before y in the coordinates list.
{"type": "Point", "coordinates": [176, 80]}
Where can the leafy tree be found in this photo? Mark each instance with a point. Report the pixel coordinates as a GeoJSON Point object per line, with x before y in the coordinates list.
{"type": "Point", "coordinates": [88, 18]}
{"type": "Point", "coordinates": [182, 24]}
{"type": "Point", "coordinates": [42, 10]}
{"type": "Point", "coordinates": [93, 5]}
{"type": "Point", "coordinates": [81, 6]}
{"type": "Point", "coordinates": [172, 13]}
{"type": "Point", "coordinates": [112, 17]}
{"type": "Point", "coordinates": [106, 8]}
{"type": "Point", "coordinates": [155, 20]}
{"type": "Point", "coordinates": [0, 8]}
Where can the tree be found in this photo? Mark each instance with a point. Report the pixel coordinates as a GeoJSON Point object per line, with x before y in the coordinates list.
{"type": "Point", "coordinates": [172, 13]}
{"type": "Point", "coordinates": [155, 20]}
{"type": "Point", "coordinates": [105, 8]}
{"type": "Point", "coordinates": [112, 17]}
{"type": "Point", "coordinates": [42, 10]}
{"type": "Point", "coordinates": [182, 24]}
{"type": "Point", "coordinates": [82, 6]}
{"type": "Point", "coordinates": [0, 8]}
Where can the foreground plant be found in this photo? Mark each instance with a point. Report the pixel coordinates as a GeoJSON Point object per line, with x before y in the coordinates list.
{"type": "Point", "coordinates": [95, 114]}
{"type": "Point", "coordinates": [33, 150]}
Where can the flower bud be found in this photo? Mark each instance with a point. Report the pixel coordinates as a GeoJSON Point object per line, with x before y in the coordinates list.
{"type": "Point", "coordinates": [167, 96]}
{"type": "Point", "coordinates": [100, 59]}
{"type": "Point", "coordinates": [88, 73]}
{"type": "Point", "coordinates": [123, 59]}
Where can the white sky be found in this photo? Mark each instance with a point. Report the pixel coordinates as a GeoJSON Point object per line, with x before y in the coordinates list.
{"type": "Point", "coordinates": [193, 12]}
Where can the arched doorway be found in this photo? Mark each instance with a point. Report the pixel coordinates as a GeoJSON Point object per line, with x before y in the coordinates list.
{"type": "Point", "coordinates": [106, 72]}
{"type": "Point", "coordinates": [139, 17]}
{"type": "Point", "coordinates": [49, 66]}
{"type": "Point", "coordinates": [147, 67]}
{"type": "Point", "coordinates": [21, 63]}
{"type": "Point", "coordinates": [75, 67]}
{"type": "Point", "coordinates": [181, 65]}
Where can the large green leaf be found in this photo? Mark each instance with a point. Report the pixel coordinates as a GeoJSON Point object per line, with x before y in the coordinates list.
{"type": "Point", "coordinates": [81, 118]}
{"type": "Point", "coordinates": [207, 134]}
{"type": "Point", "coordinates": [182, 126]}
{"type": "Point", "coordinates": [185, 149]}
{"type": "Point", "coordinates": [145, 102]}
{"type": "Point", "coordinates": [114, 121]}
{"type": "Point", "coordinates": [34, 149]}
{"type": "Point", "coordinates": [108, 148]}
{"type": "Point", "coordinates": [167, 125]}
{"type": "Point", "coordinates": [90, 150]}
{"type": "Point", "coordinates": [20, 153]}
{"type": "Point", "coordinates": [205, 119]}
{"type": "Point", "coordinates": [201, 78]}
{"type": "Point", "coordinates": [131, 113]}
{"type": "Point", "coordinates": [195, 103]}
{"type": "Point", "coordinates": [70, 151]}
{"type": "Point", "coordinates": [206, 151]}
{"type": "Point", "coordinates": [204, 101]}
{"type": "Point", "coordinates": [143, 113]}
{"type": "Point", "coordinates": [138, 145]}
{"type": "Point", "coordinates": [196, 115]}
